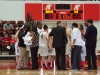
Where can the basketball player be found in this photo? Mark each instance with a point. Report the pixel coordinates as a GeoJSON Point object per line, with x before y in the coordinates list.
{"type": "Point", "coordinates": [39, 27]}
{"type": "Point", "coordinates": [51, 57]}
{"type": "Point", "coordinates": [83, 53]}
{"type": "Point", "coordinates": [39, 30]}
{"type": "Point", "coordinates": [68, 46]}
{"type": "Point", "coordinates": [44, 44]}
{"type": "Point", "coordinates": [16, 44]}
{"type": "Point", "coordinates": [28, 43]}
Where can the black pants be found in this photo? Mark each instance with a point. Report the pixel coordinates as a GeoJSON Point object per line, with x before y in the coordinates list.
{"type": "Point", "coordinates": [91, 57]}
{"type": "Point", "coordinates": [34, 51]}
{"type": "Point", "coordinates": [76, 57]}
{"type": "Point", "coordinates": [60, 57]}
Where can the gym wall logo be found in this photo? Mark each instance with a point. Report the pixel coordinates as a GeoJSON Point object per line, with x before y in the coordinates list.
{"type": "Point", "coordinates": [77, 7]}
{"type": "Point", "coordinates": [48, 7]}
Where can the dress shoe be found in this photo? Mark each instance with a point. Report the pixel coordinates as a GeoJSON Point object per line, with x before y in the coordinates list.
{"type": "Point", "coordinates": [64, 69]}
{"type": "Point", "coordinates": [73, 69]}
{"type": "Point", "coordinates": [27, 68]}
{"type": "Point", "coordinates": [34, 69]}
{"type": "Point", "coordinates": [20, 69]}
{"type": "Point", "coordinates": [94, 68]}
{"type": "Point", "coordinates": [88, 69]}
{"type": "Point", "coordinates": [58, 69]}
{"type": "Point", "coordinates": [79, 69]}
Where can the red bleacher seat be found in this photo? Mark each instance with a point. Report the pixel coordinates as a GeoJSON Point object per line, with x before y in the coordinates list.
{"type": "Point", "coordinates": [10, 32]}
{"type": "Point", "coordinates": [10, 35]}
{"type": "Point", "coordinates": [3, 22]}
{"type": "Point", "coordinates": [13, 22]}
{"type": "Point", "coordinates": [14, 28]}
{"type": "Point", "coordinates": [20, 22]}
{"type": "Point", "coordinates": [1, 31]}
{"type": "Point", "coordinates": [15, 25]}
{"type": "Point", "coordinates": [1, 28]}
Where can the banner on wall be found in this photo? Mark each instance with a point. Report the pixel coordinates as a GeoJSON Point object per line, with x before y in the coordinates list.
{"type": "Point", "coordinates": [69, 12]}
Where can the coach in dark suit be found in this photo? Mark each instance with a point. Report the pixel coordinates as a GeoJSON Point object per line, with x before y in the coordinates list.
{"type": "Point", "coordinates": [59, 42]}
{"type": "Point", "coordinates": [91, 39]}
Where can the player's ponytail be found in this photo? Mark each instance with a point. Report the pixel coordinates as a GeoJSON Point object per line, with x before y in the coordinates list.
{"type": "Point", "coordinates": [45, 27]}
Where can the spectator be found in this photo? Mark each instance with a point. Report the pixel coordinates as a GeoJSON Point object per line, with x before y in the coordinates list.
{"type": "Point", "coordinates": [5, 39]}
{"type": "Point", "coordinates": [12, 44]}
{"type": "Point", "coordinates": [7, 27]}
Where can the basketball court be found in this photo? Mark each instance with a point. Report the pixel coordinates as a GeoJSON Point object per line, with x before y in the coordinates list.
{"type": "Point", "coordinates": [8, 67]}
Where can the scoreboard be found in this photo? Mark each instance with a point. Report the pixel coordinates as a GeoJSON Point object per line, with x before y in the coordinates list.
{"type": "Point", "coordinates": [40, 11]}
{"type": "Point", "coordinates": [62, 12]}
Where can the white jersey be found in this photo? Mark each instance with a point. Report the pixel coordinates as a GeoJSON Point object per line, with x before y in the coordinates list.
{"type": "Point", "coordinates": [40, 30]}
{"type": "Point", "coordinates": [83, 50]}
{"type": "Point", "coordinates": [49, 30]}
{"type": "Point", "coordinates": [68, 29]}
{"type": "Point", "coordinates": [43, 38]}
{"type": "Point", "coordinates": [68, 46]}
{"type": "Point", "coordinates": [27, 39]}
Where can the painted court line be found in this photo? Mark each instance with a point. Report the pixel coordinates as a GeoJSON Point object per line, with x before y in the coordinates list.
{"type": "Point", "coordinates": [8, 71]}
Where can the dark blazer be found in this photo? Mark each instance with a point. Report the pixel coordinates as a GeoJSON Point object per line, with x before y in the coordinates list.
{"type": "Point", "coordinates": [91, 36]}
{"type": "Point", "coordinates": [59, 36]}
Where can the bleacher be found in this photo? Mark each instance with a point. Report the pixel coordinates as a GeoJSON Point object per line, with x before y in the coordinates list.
{"type": "Point", "coordinates": [4, 52]}
{"type": "Point", "coordinates": [3, 48]}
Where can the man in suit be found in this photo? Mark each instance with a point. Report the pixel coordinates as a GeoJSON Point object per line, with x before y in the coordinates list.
{"type": "Point", "coordinates": [59, 41]}
{"type": "Point", "coordinates": [91, 39]}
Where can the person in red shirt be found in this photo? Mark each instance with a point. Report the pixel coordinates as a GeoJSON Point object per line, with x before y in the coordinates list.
{"type": "Point", "coordinates": [12, 44]}
{"type": "Point", "coordinates": [5, 39]}
{"type": "Point", "coordinates": [12, 41]}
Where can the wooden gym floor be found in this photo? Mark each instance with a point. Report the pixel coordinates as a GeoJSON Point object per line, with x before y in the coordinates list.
{"type": "Point", "coordinates": [8, 67]}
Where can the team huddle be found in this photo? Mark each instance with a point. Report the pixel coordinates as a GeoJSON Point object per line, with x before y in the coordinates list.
{"type": "Point", "coordinates": [45, 45]}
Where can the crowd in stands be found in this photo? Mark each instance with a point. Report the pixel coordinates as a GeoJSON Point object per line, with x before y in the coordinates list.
{"type": "Point", "coordinates": [7, 35]}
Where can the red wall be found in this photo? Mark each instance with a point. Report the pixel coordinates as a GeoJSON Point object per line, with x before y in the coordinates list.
{"type": "Point", "coordinates": [91, 11]}
{"type": "Point", "coordinates": [35, 10]}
